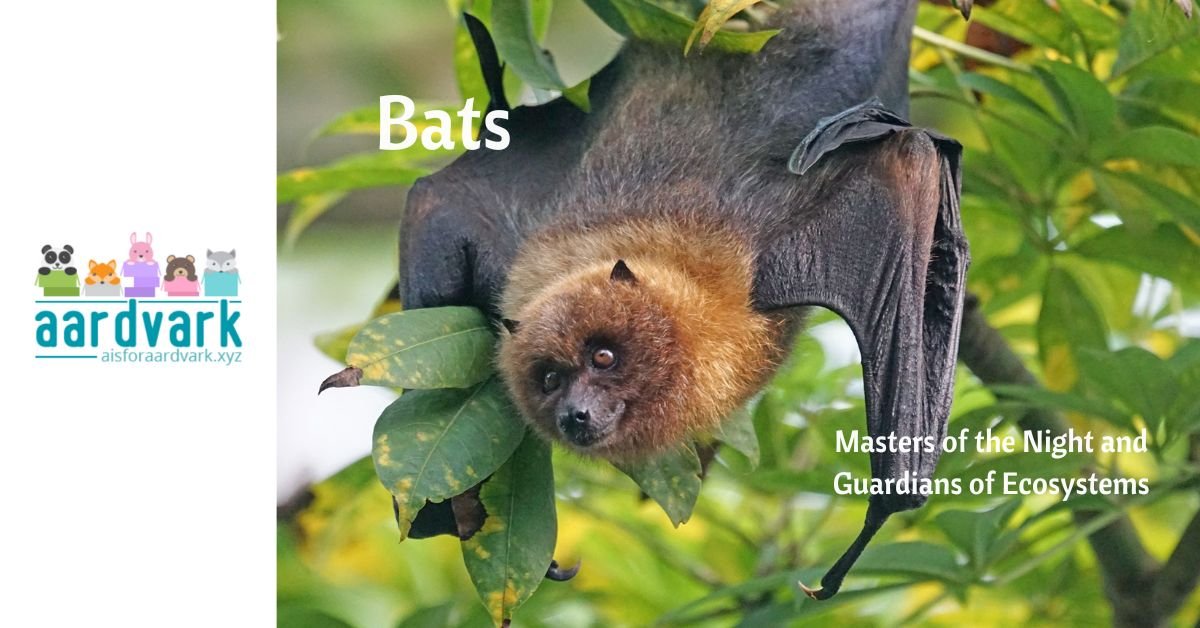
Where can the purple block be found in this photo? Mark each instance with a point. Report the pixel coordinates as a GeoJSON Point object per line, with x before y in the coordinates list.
{"type": "Point", "coordinates": [145, 281]}
{"type": "Point", "coordinates": [131, 291]}
{"type": "Point", "coordinates": [140, 269]}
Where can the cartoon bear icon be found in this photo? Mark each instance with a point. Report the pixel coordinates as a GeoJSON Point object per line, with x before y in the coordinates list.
{"type": "Point", "coordinates": [102, 279]}
{"type": "Point", "coordinates": [181, 279]}
{"type": "Point", "coordinates": [140, 268]}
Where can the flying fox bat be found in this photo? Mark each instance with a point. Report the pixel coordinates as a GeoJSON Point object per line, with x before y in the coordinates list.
{"type": "Point", "coordinates": [648, 260]}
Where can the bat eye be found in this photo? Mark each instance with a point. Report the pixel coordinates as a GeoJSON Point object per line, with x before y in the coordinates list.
{"type": "Point", "coordinates": [550, 382]}
{"type": "Point", "coordinates": [603, 358]}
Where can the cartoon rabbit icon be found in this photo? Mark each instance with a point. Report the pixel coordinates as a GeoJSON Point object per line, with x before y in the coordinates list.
{"type": "Point", "coordinates": [141, 267]}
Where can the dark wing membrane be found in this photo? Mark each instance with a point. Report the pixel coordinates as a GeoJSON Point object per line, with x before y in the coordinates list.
{"type": "Point", "coordinates": [462, 224]}
{"type": "Point", "coordinates": [881, 244]}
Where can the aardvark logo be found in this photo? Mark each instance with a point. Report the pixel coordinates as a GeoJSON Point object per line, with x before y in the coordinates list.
{"type": "Point", "coordinates": [137, 310]}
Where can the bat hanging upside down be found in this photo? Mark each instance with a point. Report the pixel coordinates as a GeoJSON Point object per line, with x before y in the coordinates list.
{"type": "Point", "coordinates": [649, 262]}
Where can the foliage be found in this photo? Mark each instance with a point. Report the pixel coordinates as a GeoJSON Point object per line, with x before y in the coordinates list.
{"type": "Point", "coordinates": [1082, 162]}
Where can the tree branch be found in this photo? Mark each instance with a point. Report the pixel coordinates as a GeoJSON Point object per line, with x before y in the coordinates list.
{"type": "Point", "coordinates": [1128, 570]}
{"type": "Point", "coordinates": [1181, 574]}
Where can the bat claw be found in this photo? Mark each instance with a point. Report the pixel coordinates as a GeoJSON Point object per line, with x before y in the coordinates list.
{"type": "Point", "coordinates": [557, 574]}
{"type": "Point", "coordinates": [964, 7]}
{"type": "Point", "coordinates": [819, 593]}
{"type": "Point", "coordinates": [347, 377]}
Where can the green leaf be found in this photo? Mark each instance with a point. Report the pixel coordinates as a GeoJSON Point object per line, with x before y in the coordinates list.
{"type": "Point", "coordinates": [1164, 252]}
{"type": "Point", "coordinates": [435, 444]}
{"type": "Point", "coordinates": [609, 14]}
{"type": "Point", "coordinates": [1184, 416]}
{"type": "Point", "coordinates": [976, 533]}
{"type": "Point", "coordinates": [1140, 380]}
{"type": "Point", "coordinates": [365, 120]}
{"type": "Point", "coordinates": [1158, 145]}
{"type": "Point", "coordinates": [513, 31]}
{"type": "Point", "coordinates": [1063, 401]}
{"type": "Point", "coordinates": [650, 22]}
{"type": "Point", "coordinates": [672, 479]}
{"type": "Point", "coordinates": [715, 14]}
{"type": "Point", "coordinates": [508, 557]}
{"type": "Point", "coordinates": [428, 616]}
{"type": "Point", "coordinates": [578, 95]}
{"type": "Point", "coordinates": [1083, 100]}
{"type": "Point", "coordinates": [913, 559]}
{"type": "Point", "coordinates": [737, 431]}
{"type": "Point", "coordinates": [361, 171]}
{"type": "Point", "coordinates": [1151, 30]}
{"type": "Point", "coordinates": [1068, 323]}
{"type": "Point", "coordinates": [445, 347]}
{"type": "Point", "coordinates": [295, 614]}
{"type": "Point", "coordinates": [1161, 100]}
{"type": "Point", "coordinates": [306, 210]}
{"type": "Point", "coordinates": [1143, 193]}
{"type": "Point", "coordinates": [1004, 91]}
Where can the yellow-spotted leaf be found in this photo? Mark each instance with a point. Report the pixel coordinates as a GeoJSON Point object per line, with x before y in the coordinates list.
{"type": "Point", "coordinates": [672, 479]}
{"type": "Point", "coordinates": [445, 347]}
{"type": "Point", "coordinates": [430, 445]}
{"type": "Point", "coordinates": [508, 557]}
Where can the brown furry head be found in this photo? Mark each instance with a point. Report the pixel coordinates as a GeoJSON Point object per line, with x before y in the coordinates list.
{"type": "Point", "coordinates": [623, 359]}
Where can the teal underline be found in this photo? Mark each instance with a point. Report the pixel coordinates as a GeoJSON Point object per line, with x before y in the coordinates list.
{"type": "Point", "coordinates": [147, 301]}
{"type": "Point", "coordinates": [63, 357]}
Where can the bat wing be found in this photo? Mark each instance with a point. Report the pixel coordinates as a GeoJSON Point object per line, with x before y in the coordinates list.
{"type": "Point", "coordinates": [462, 225]}
{"type": "Point", "coordinates": [881, 244]}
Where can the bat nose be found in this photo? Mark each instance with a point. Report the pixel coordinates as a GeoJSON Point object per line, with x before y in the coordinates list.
{"type": "Point", "coordinates": [574, 422]}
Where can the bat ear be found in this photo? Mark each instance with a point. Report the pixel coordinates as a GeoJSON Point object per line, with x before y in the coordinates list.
{"type": "Point", "coordinates": [621, 272]}
{"type": "Point", "coordinates": [510, 325]}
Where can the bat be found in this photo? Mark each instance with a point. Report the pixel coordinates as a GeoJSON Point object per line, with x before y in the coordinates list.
{"type": "Point", "coordinates": [790, 177]}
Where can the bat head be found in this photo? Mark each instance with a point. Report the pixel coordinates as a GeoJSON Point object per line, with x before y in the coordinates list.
{"type": "Point", "coordinates": [599, 363]}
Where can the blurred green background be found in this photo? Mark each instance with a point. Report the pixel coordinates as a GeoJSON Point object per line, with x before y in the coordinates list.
{"type": "Point", "coordinates": [1080, 122]}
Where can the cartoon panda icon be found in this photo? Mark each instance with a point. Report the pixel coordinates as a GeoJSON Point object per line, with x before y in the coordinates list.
{"type": "Point", "coordinates": [57, 259]}
{"type": "Point", "coordinates": [58, 278]}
